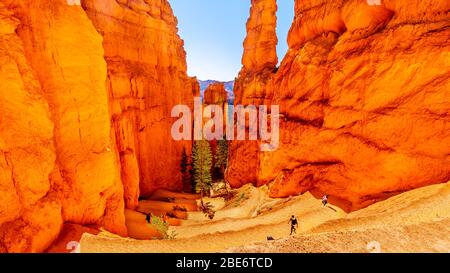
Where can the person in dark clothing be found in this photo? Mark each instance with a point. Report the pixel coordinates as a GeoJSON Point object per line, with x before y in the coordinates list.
{"type": "Point", "coordinates": [294, 223]}
{"type": "Point", "coordinates": [148, 218]}
{"type": "Point", "coordinates": [325, 200]}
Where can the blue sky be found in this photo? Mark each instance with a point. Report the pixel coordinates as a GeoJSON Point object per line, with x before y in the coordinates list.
{"type": "Point", "coordinates": [214, 30]}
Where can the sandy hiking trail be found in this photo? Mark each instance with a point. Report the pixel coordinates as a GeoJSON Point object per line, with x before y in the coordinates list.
{"type": "Point", "coordinates": [415, 221]}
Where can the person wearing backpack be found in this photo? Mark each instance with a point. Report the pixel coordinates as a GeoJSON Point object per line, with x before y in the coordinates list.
{"type": "Point", "coordinates": [294, 224]}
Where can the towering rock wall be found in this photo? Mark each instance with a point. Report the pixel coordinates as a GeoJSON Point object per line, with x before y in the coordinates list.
{"type": "Point", "coordinates": [58, 161]}
{"type": "Point", "coordinates": [259, 63]}
{"type": "Point", "coordinates": [363, 95]}
{"type": "Point", "coordinates": [261, 41]}
{"type": "Point", "coordinates": [24, 116]}
{"type": "Point", "coordinates": [260, 53]}
{"type": "Point", "coordinates": [146, 77]}
{"type": "Point", "coordinates": [85, 97]}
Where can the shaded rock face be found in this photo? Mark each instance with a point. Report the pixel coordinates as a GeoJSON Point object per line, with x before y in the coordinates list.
{"type": "Point", "coordinates": [363, 92]}
{"type": "Point", "coordinates": [229, 86]}
{"type": "Point", "coordinates": [147, 76]}
{"type": "Point", "coordinates": [215, 94]}
{"type": "Point", "coordinates": [85, 96]}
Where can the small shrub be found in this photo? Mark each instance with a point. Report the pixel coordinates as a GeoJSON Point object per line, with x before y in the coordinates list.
{"type": "Point", "coordinates": [207, 209]}
{"type": "Point", "coordinates": [161, 225]}
{"type": "Point", "coordinates": [240, 199]}
{"type": "Point", "coordinates": [172, 235]}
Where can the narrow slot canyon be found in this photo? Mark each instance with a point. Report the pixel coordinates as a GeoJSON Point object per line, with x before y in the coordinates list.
{"type": "Point", "coordinates": [89, 161]}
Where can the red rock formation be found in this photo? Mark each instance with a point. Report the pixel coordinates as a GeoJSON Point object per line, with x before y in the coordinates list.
{"type": "Point", "coordinates": [86, 93]}
{"type": "Point", "coordinates": [146, 78]}
{"type": "Point", "coordinates": [69, 238]}
{"type": "Point", "coordinates": [74, 126]}
{"type": "Point", "coordinates": [261, 41]}
{"type": "Point", "coordinates": [58, 160]}
{"type": "Point", "coordinates": [364, 95]}
{"type": "Point", "coordinates": [24, 165]}
{"type": "Point", "coordinates": [259, 62]}
{"type": "Point", "coordinates": [215, 94]}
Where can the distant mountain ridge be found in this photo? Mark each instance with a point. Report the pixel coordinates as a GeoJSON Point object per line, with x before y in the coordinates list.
{"type": "Point", "coordinates": [229, 87]}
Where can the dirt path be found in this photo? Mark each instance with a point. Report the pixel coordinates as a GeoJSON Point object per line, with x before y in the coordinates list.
{"type": "Point", "coordinates": [415, 221]}
{"type": "Point", "coordinates": [426, 237]}
{"type": "Point", "coordinates": [410, 219]}
{"type": "Point", "coordinates": [260, 211]}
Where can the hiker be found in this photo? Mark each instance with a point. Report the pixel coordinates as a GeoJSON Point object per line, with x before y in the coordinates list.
{"type": "Point", "coordinates": [148, 218]}
{"type": "Point", "coordinates": [294, 224]}
{"type": "Point", "coordinates": [325, 200]}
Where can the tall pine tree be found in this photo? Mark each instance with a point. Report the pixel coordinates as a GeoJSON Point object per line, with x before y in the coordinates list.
{"type": "Point", "coordinates": [186, 173]}
{"type": "Point", "coordinates": [202, 164]}
{"type": "Point", "coordinates": [221, 156]}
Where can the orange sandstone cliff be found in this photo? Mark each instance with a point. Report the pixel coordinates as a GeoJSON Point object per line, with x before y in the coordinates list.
{"type": "Point", "coordinates": [86, 92]}
{"type": "Point", "coordinates": [215, 94]}
{"type": "Point", "coordinates": [85, 96]}
{"type": "Point", "coordinates": [259, 63]}
{"type": "Point", "coordinates": [363, 94]}
{"type": "Point", "coordinates": [147, 76]}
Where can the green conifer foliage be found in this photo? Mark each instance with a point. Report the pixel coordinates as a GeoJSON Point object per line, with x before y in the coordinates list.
{"type": "Point", "coordinates": [202, 164]}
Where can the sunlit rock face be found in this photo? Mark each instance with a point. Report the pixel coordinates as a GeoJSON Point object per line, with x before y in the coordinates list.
{"type": "Point", "coordinates": [261, 38]}
{"type": "Point", "coordinates": [215, 94]}
{"type": "Point", "coordinates": [259, 63]}
{"type": "Point", "coordinates": [57, 159]}
{"type": "Point", "coordinates": [363, 94]}
{"type": "Point", "coordinates": [86, 92]}
{"type": "Point", "coordinates": [147, 76]}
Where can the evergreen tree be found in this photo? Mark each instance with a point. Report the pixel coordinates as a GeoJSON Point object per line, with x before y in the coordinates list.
{"type": "Point", "coordinates": [184, 161]}
{"type": "Point", "coordinates": [202, 164]}
{"type": "Point", "coordinates": [222, 155]}
{"type": "Point", "coordinates": [185, 167]}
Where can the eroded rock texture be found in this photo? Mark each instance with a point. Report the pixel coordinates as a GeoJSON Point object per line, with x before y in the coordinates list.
{"type": "Point", "coordinates": [58, 160]}
{"type": "Point", "coordinates": [146, 78]}
{"type": "Point", "coordinates": [215, 94]}
{"type": "Point", "coordinates": [363, 93]}
{"type": "Point", "coordinates": [86, 91]}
